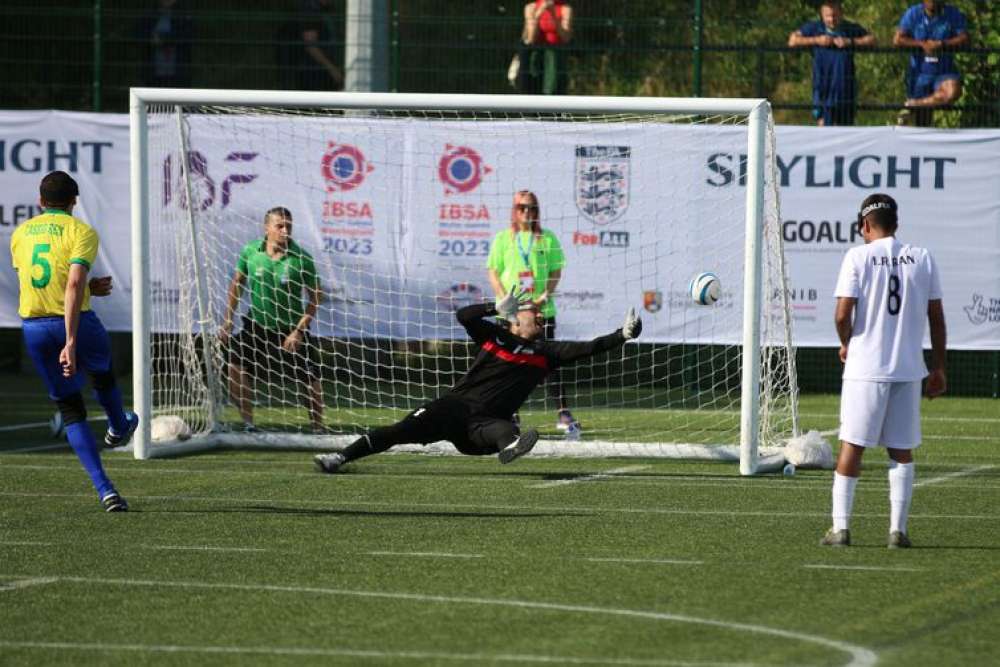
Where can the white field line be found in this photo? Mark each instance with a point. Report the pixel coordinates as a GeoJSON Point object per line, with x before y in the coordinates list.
{"type": "Point", "coordinates": [38, 448]}
{"type": "Point", "coordinates": [554, 509]}
{"type": "Point", "coordinates": [836, 415]}
{"type": "Point", "coordinates": [873, 480]}
{"type": "Point", "coordinates": [859, 655]}
{"type": "Point", "coordinates": [657, 561]}
{"type": "Point", "coordinates": [181, 547]}
{"type": "Point", "coordinates": [872, 568]}
{"type": "Point", "coordinates": [588, 478]}
{"type": "Point", "coordinates": [420, 656]}
{"type": "Point", "coordinates": [951, 475]}
{"type": "Point", "coordinates": [422, 554]}
{"type": "Point", "coordinates": [25, 543]}
{"type": "Point", "coordinates": [24, 427]}
{"type": "Point", "coordinates": [18, 584]}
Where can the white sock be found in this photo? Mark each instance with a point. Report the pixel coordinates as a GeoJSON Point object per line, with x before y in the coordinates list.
{"type": "Point", "coordinates": [843, 500]}
{"type": "Point", "coordinates": [900, 492]}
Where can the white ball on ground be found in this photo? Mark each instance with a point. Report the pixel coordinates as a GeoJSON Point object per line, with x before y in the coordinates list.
{"type": "Point", "coordinates": [788, 470]}
{"type": "Point", "coordinates": [705, 288]}
{"type": "Point", "coordinates": [169, 427]}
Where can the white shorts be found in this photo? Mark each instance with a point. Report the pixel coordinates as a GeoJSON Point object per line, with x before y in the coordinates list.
{"type": "Point", "coordinates": [880, 413]}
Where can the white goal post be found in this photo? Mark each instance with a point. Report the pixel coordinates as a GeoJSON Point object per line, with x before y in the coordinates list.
{"type": "Point", "coordinates": [703, 381]}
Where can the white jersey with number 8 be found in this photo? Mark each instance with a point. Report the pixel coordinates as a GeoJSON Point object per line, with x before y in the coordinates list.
{"type": "Point", "coordinates": [892, 282]}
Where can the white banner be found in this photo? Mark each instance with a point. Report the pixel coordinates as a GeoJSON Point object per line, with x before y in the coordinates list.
{"type": "Point", "coordinates": [413, 210]}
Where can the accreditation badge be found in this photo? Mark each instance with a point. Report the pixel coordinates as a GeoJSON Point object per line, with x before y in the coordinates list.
{"type": "Point", "coordinates": [526, 280]}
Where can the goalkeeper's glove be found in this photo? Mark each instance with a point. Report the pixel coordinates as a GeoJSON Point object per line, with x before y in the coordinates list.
{"type": "Point", "coordinates": [632, 326]}
{"type": "Point", "coordinates": [508, 305]}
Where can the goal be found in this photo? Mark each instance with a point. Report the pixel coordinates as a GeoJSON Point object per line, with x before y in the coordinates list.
{"type": "Point", "coordinates": [395, 199]}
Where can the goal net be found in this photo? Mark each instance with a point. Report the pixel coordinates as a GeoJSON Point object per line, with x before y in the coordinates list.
{"type": "Point", "coordinates": [395, 202]}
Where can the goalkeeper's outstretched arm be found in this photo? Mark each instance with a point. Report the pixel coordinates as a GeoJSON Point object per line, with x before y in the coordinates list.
{"type": "Point", "coordinates": [569, 352]}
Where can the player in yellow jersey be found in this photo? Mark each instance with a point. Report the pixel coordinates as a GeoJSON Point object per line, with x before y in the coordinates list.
{"type": "Point", "coordinates": [52, 254]}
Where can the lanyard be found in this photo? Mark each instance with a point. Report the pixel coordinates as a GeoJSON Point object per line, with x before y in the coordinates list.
{"type": "Point", "coordinates": [525, 254]}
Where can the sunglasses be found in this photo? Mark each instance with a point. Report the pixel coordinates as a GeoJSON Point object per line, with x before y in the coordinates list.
{"type": "Point", "coordinates": [524, 208]}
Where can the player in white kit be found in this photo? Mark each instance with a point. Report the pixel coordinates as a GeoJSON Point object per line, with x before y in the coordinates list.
{"type": "Point", "coordinates": [886, 293]}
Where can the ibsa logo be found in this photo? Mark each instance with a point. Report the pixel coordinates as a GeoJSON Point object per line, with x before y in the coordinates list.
{"type": "Point", "coordinates": [982, 310]}
{"type": "Point", "coordinates": [461, 169]}
{"type": "Point", "coordinates": [344, 167]}
{"type": "Point", "coordinates": [460, 295]}
{"type": "Point", "coordinates": [652, 300]}
{"type": "Point", "coordinates": [606, 239]}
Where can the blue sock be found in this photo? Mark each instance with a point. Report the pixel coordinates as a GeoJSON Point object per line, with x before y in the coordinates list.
{"type": "Point", "coordinates": [81, 439]}
{"type": "Point", "coordinates": [111, 401]}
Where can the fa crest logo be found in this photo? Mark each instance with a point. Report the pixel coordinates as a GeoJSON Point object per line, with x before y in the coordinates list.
{"type": "Point", "coordinates": [344, 167]}
{"type": "Point", "coordinates": [652, 300]}
{"type": "Point", "coordinates": [602, 182]}
{"type": "Point", "coordinates": [461, 169]}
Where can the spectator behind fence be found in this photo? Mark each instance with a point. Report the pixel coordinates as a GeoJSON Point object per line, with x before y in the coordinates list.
{"type": "Point", "coordinates": [166, 34]}
{"type": "Point", "coordinates": [548, 28]}
{"type": "Point", "coordinates": [931, 30]}
{"type": "Point", "coordinates": [833, 40]}
{"type": "Point", "coordinates": [310, 52]}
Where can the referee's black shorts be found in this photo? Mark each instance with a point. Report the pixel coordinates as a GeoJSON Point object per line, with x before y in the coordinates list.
{"type": "Point", "coordinates": [258, 350]}
{"type": "Point", "coordinates": [452, 419]}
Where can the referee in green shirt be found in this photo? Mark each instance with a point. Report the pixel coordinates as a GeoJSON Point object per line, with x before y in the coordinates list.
{"type": "Point", "coordinates": [275, 333]}
{"type": "Point", "coordinates": [532, 258]}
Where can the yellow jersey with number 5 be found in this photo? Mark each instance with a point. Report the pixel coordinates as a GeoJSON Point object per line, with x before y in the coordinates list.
{"type": "Point", "coordinates": [42, 249]}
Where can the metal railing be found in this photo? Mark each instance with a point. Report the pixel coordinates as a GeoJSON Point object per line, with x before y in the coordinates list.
{"type": "Point", "coordinates": [86, 56]}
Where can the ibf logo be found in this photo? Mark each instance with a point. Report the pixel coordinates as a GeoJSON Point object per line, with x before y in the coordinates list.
{"type": "Point", "coordinates": [606, 239]}
{"type": "Point", "coordinates": [344, 167]}
{"type": "Point", "coordinates": [199, 181]}
{"type": "Point", "coordinates": [461, 169]}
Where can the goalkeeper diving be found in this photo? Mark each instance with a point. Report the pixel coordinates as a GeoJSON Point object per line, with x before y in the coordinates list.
{"type": "Point", "coordinates": [475, 415]}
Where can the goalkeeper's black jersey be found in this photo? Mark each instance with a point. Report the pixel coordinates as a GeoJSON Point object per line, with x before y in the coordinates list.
{"type": "Point", "coordinates": [508, 367]}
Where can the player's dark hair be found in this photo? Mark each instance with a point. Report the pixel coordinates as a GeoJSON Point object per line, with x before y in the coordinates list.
{"type": "Point", "coordinates": [279, 211]}
{"type": "Point", "coordinates": [58, 189]}
{"type": "Point", "coordinates": [880, 210]}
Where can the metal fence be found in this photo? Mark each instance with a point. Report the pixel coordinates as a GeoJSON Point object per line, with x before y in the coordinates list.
{"type": "Point", "coordinates": [85, 56]}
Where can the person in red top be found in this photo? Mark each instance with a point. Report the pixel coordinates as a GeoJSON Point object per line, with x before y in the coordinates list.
{"type": "Point", "coordinates": [548, 26]}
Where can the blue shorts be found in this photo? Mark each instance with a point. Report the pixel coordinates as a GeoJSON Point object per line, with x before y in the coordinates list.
{"type": "Point", "coordinates": [924, 85]}
{"type": "Point", "coordinates": [45, 338]}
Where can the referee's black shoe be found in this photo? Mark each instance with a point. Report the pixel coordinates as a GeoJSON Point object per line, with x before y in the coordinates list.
{"type": "Point", "coordinates": [519, 447]}
{"type": "Point", "coordinates": [112, 502]}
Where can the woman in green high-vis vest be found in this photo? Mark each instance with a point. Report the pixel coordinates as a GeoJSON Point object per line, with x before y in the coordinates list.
{"type": "Point", "coordinates": [532, 258]}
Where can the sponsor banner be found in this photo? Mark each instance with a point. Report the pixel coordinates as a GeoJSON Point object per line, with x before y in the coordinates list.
{"type": "Point", "coordinates": [401, 221]}
{"type": "Point", "coordinates": [94, 149]}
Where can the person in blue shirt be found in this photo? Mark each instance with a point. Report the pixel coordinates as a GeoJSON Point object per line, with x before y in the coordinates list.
{"type": "Point", "coordinates": [833, 41]}
{"type": "Point", "coordinates": [931, 30]}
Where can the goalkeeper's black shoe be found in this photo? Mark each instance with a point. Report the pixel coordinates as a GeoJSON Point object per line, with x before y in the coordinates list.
{"type": "Point", "coordinates": [112, 502]}
{"type": "Point", "coordinates": [112, 439]}
{"type": "Point", "coordinates": [329, 463]}
{"type": "Point", "coordinates": [515, 450]}
{"type": "Point", "coordinates": [836, 538]}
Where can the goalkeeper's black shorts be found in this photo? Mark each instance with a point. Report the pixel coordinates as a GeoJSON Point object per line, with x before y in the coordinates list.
{"type": "Point", "coordinates": [258, 351]}
{"type": "Point", "coordinates": [452, 419]}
